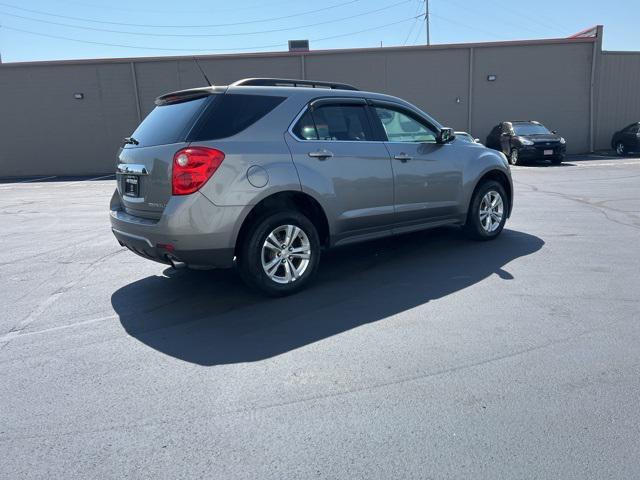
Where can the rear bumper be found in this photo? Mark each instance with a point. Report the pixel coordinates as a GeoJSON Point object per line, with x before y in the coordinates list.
{"type": "Point", "coordinates": [191, 230]}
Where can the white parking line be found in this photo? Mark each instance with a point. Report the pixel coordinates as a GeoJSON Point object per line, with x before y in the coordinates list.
{"type": "Point", "coordinates": [581, 164]}
{"type": "Point", "coordinates": [78, 183]}
{"type": "Point", "coordinates": [36, 179]}
{"type": "Point", "coordinates": [62, 183]}
{"type": "Point", "coordinates": [613, 163]}
{"type": "Point", "coordinates": [17, 333]}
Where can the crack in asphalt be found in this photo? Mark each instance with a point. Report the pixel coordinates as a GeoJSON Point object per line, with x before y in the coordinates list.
{"type": "Point", "coordinates": [317, 397]}
{"type": "Point", "coordinates": [598, 206]}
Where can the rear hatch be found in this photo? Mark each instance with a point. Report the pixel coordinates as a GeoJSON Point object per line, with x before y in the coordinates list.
{"type": "Point", "coordinates": [145, 161]}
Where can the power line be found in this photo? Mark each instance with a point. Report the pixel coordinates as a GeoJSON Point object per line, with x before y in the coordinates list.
{"type": "Point", "coordinates": [194, 35]}
{"type": "Point", "coordinates": [455, 22]}
{"type": "Point", "coordinates": [413, 25]}
{"type": "Point", "coordinates": [259, 47]}
{"type": "Point", "coordinates": [233, 24]}
{"type": "Point", "coordinates": [147, 11]}
{"type": "Point", "coordinates": [499, 12]}
{"type": "Point", "coordinates": [533, 18]}
{"type": "Point", "coordinates": [417, 14]}
{"type": "Point", "coordinates": [418, 33]}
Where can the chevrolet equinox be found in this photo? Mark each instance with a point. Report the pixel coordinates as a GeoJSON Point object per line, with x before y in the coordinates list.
{"type": "Point", "coordinates": [265, 173]}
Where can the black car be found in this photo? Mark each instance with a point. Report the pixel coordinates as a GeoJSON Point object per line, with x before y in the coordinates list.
{"type": "Point", "coordinates": [527, 140]}
{"type": "Point", "coordinates": [627, 140]}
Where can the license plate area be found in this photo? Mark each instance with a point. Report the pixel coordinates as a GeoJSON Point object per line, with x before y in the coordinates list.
{"type": "Point", "coordinates": [548, 152]}
{"type": "Point", "coordinates": [131, 185]}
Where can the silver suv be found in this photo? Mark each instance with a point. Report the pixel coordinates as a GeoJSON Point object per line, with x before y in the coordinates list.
{"type": "Point", "coordinates": [265, 173]}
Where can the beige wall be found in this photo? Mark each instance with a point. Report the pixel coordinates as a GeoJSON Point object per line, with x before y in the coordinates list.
{"type": "Point", "coordinates": [547, 83]}
{"type": "Point", "coordinates": [45, 131]}
{"type": "Point", "coordinates": [618, 102]}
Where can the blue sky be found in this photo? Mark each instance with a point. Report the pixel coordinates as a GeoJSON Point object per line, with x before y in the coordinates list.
{"type": "Point", "coordinates": [157, 28]}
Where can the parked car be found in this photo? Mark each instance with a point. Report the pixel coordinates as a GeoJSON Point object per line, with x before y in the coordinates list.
{"type": "Point", "coordinates": [527, 140]}
{"type": "Point", "coordinates": [627, 140]}
{"type": "Point", "coordinates": [467, 137]}
{"type": "Point", "coordinates": [264, 173]}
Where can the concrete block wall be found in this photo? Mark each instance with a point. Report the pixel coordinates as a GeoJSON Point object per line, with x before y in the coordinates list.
{"type": "Point", "coordinates": [45, 131]}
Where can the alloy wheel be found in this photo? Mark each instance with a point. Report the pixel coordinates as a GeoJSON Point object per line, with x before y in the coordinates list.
{"type": "Point", "coordinates": [513, 157]}
{"type": "Point", "coordinates": [620, 148]}
{"type": "Point", "coordinates": [491, 211]}
{"type": "Point", "coordinates": [285, 254]}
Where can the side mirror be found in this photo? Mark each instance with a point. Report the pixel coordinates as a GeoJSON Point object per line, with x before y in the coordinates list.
{"type": "Point", "coordinates": [445, 135]}
{"type": "Point", "coordinates": [555, 132]}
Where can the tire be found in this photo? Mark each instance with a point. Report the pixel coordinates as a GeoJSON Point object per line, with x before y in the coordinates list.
{"type": "Point", "coordinates": [255, 257]}
{"type": "Point", "coordinates": [557, 160]}
{"type": "Point", "coordinates": [480, 229]}
{"type": "Point", "coordinates": [620, 150]}
{"type": "Point", "coordinates": [514, 157]}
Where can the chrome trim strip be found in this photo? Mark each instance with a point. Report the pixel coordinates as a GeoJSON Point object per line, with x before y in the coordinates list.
{"type": "Point", "coordinates": [132, 168]}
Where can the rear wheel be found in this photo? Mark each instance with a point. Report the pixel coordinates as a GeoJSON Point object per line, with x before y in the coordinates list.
{"type": "Point", "coordinates": [280, 253]}
{"type": "Point", "coordinates": [514, 157]}
{"type": "Point", "coordinates": [488, 211]}
{"type": "Point", "coordinates": [620, 150]}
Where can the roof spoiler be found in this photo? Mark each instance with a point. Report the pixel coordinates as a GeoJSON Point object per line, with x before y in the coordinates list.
{"type": "Point", "coordinates": [291, 82]}
{"type": "Point", "coordinates": [183, 96]}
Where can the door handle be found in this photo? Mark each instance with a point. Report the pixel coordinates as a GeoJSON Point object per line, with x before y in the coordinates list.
{"type": "Point", "coordinates": [321, 154]}
{"type": "Point", "coordinates": [403, 157]}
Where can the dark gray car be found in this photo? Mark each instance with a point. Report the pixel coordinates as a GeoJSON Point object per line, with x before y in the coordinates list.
{"type": "Point", "coordinates": [264, 173]}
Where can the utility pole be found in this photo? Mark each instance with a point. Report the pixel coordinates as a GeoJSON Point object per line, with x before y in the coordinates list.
{"type": "Point", "coordinates": [426, 19]}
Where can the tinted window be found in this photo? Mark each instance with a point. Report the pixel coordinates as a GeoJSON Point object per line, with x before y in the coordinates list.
{"type": "Point", "coordinates": [400, 127]}
{"type": "Point", "coordinates": [632, 129]}
{"type": "Point", "coordinates": [230, 114]}
{"type": "Point", "coordinates": [530, 129]}
{"type": "Point", "coordinates": [305, 129]}
{"type": "Point", "coordinates": [168, 123]}
{"type": "Point", "coordinates": [342, 122]}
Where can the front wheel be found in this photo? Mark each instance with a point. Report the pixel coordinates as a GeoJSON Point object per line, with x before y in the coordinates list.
{"type": "Point", "coordinates": [557, 160]}
{"type": "Point", "coordinates": [620, 150]}
{"type": "Point", "coordinates": [280, 253]}
{"type": "Point", "coordinates": [514, 156]}
{"type": "Point", "coordinates": [488, 211]}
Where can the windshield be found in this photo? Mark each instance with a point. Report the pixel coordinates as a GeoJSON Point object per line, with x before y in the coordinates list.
{"type": "Point", "coordinates": [530, 129]}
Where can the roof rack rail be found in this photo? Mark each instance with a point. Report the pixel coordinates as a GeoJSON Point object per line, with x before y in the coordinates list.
{"type": "Point", "coordinates": [291, 82]}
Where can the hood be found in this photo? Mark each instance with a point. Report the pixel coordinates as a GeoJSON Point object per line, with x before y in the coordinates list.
{"type": "Point", "coordinates": [542, 139]}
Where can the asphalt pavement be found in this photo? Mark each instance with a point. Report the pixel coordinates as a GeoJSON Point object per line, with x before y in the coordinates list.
{"type": "Point", "coordinates": [424, 356]}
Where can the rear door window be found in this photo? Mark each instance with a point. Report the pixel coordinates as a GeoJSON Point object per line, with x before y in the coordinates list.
{"type": "Point", "coordinates": [229, 114]}
{"type": "Point", "coordinates": [335, 123]}
{"type": "Point", "coordinates": [168, 123]}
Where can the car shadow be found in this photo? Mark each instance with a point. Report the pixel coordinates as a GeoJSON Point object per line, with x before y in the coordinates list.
{"type": "Point", "coordinates": [545, 164]}
{"type": "Point", "coordinates": [210, 318]}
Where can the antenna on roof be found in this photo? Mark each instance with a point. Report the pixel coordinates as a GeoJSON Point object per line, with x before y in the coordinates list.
{"type": "Point", "coordinates": [202, 71]}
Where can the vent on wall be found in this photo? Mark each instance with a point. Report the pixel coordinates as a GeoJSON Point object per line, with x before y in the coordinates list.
{"type": "Point", "coordinates": [298, 45]}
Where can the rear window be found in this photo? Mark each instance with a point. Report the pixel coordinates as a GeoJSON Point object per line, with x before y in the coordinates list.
{"type": "Point", "coordinates": [229, 114]}
{"type": "Point", "coordinates": [168, 123]}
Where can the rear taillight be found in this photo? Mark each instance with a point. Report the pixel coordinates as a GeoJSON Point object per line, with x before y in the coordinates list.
{"type": "Point", "coordinates": [192, 167]}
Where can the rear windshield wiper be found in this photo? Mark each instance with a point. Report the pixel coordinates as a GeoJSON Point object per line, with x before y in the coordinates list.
{"type": "Point", "coordinates": [131, 141]}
